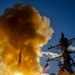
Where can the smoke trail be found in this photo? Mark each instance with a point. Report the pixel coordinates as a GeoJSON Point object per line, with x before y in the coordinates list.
{"type": "Point", "coordinates": [23, 29]}
{"type": "Point", "coordinates": [51, 54]}
{"type": "Point", "coordinates": [71, 48]}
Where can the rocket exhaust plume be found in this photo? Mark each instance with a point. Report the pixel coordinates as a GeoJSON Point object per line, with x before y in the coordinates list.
{"type": "Point", "coordinates": [23, 29]}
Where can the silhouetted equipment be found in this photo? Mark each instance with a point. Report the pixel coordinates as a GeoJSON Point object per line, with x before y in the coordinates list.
{"type": "Point", "coordinates": [63, 45]}
{"type": "Point", "coordinates": [56, 47]}
{"type": "Point", "coordinates": [56, 58]}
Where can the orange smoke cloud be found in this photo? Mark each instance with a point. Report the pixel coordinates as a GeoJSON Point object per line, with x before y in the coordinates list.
{"type": "Point", "coordinates": [23, 29]}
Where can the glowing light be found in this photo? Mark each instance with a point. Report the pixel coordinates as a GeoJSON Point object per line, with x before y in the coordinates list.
{"type": "Point", "coordinates": [18, 73]}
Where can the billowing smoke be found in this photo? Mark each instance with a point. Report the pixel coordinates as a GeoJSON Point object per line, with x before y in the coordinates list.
{"type": "Point", "coordinates": [23, 29]}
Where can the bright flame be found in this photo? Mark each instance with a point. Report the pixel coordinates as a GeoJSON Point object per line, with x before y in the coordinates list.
{"type": "Point", "coordinates": [18, 73]}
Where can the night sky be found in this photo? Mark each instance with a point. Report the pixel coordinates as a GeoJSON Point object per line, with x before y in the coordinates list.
{"type": "Point", "coordinates": [62, 19]}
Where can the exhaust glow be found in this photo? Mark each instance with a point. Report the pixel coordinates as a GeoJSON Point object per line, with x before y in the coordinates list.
{"type": "Point", "coordinates": [18, 73]}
